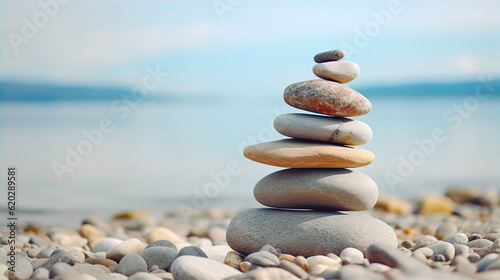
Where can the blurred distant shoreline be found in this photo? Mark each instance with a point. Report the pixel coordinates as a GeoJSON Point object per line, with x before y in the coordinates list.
{"type": "Point", "coordinates": [38, 92]}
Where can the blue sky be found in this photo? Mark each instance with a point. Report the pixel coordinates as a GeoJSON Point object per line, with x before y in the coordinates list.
{"type": "Point", "coordinates": [249, 47]}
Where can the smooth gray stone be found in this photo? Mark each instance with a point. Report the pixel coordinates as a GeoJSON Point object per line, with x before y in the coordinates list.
{"type": "Point", "coordinates": [195, 268]}
{"type": "Point", "coordinates": [353, 271]}
{"type": "Point", "coordinates": [23, 269]}
{"type": "Point", "coordinates": [3, 255]}
{"type": "Point", "coordinates": [59, 269]}
{"type": "Point", "coordinates": [335, 130]}
{"type": "Point", "coordinates": [337, 71]}
{"type": "Point", "coordinates": [267, 273]}
{"type": "Point", "coordinates": [444, 248]}
{"type": "Point", "coordinates": [144, 276]}
{"type": "Point", "coordinates": [192, 251]}
{"type": "Point", "coordinates": [38, 241]}
{"type": "Point", "coordinates": [485, 261]}
{"type": "Point", "coordinates": [332, 55]}
{"type": "Point", "coordinates": [263, 258]}
{"type": "Point", "coordinates": [480, 243]}
{"type": "Point", "coordinates": [294, 269]}
{"type": "Point", "coordinates": [131, 264]}
{"type": "Point", "coordinates": [86, 268]}
{"type": "Point", "coordinates": [457, 238]}
{"type": "Point", "coordinates": [164, 243]}
{"type": "Point", "coordinates": [390, 256]}
{"type": "Point", "coordinates": [159, 255]}
{"type": "Point", "coordinates": [306, 233]}
{"type": "Point", "coordinates": [58, 257]}
{"type": "Point", "coordinates": [317, 188]}
{"type": "Point", "coordinates": [40, 273]}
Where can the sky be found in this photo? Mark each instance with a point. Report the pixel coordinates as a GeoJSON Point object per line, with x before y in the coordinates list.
{"type": "Point", "coordinates": [245, 47]}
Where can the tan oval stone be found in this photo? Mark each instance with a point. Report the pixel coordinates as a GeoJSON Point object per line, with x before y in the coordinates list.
{"type": "Point", "coordinates": [327, 97]}
{"type": "Point", "coordinates": [296, 153]}
{"type": "Point", "coordinates": [337, 71]}
{"type": "Point", "coordinates": [435, 204]}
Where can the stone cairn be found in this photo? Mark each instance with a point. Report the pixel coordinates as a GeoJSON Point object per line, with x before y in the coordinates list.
{"type": "Point", "coordinates": [306, 198]}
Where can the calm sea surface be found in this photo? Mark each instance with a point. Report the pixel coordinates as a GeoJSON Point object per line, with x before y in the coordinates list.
{"type": "Point", "coordinates": [161, 156]}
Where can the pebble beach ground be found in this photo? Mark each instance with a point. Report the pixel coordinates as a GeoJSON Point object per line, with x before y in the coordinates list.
{"type": "Point", "coordinates": [452, 236]}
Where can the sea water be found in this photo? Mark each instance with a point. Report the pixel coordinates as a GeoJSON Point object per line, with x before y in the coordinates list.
{"type": "Point", "coordinates": [168, 155]}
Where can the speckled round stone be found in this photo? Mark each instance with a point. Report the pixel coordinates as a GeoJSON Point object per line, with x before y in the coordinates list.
{"type": "Point", "coordinates": [332, 55]}
{"type": "Point", "coordinates": [327, 97]}
{"type": "Point", "coordinates": [306, 233]}
{"type": "Point", "coordinates": [335, 130]}
{"type": "Point", "coordinates": [337, 71]}
{"type": "Point", "coordinates": [295, 153]}
{"type": "Point", "coordinates": [322, 188]}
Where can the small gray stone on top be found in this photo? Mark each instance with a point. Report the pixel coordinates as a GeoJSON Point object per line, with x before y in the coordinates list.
{"type": "Point", "coordinates": [333, 55]}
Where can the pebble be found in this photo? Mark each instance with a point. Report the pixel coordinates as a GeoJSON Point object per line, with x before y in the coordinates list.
{"type": "Point", "coordinates": [336, 130]}
{"type": "Point", "coordinates": [129, 246]}
{"type": "Point", "coordinates": [494, 265]}
{"type": "Point", "coordinates": [233, 259]}
{"type": "Point", "coordinates": [445, 230]}
{"type": "Point", "coordinates": [480, 243]}
{"type": "Point", "coordinates": [461, 195]}
{"type": "Point", "coordinates": [305, 233]}
{"type": "Point", "coordinates": [438, 258]}
{"type": "Point", "coordinates": [106, 244]}
{"type": "Point", "coordinates": [457, 238]}
{"type": "Point", "coordinates": [323, 260]}
{"type": "Point", "coordinates": [160, 256]}
{"type": "Point", "coordinates": [294, 269]}
{"type": "Point", "coordinates": [58, 257]}
{"type": "Point", "coordinates": [131, 264]}
{"type": "Point", "coordinates": [217, 252]}
{"type": "Point", "coordinates": [162, 242]}
{"type": "Point", "coordinates": [40, 273]}
{"type": "Point", "coordinates": [327, 97]}
{"type": "Point", "coordinates": [485, 261]}
{"type": "Point", "coordinates": [491, 236]}
{"type": "Point", "coordinates": [393, 205]}
{"type": "Point", "coordinates": [88, 231]}
{"type": "Point", "coordinates": [474, 257]}
{"type": "Point", "coordinates": [263, 258]}
{"type": "Point", "coordinates": [312, 188]}
{"type": "Point", "coordinates": [144, 276]}
{"type": "Point", "coordinates": [337, 71]}
{"type": "Point", "coordinates": [287, 257]}
{"type": "Point", "coordinates": [475, 236]}
{"type": "Point", "coordinates": [297, 153]}
{"type": "Point", "coordinates": [462, 249]}
{"type": "Point", "coordinates": [424, 242]}
{"type": "Point", "coordinates": [101, 261]}
{"type": "Point", "coordinates": [192, 251]}
{"type": "Point", "coordinates": [352, 271]}
{"type": "Point", "coordinates": [390, 256]}
{"type": "Point", "coordinates": [422, 254]}
{"type": "Point", "coordinates": [38, 241]}
{"type": "Point", "coordinates": [271, 249]}
{"type": "Point", "coordinates": [378, 267]}
{"type": "Point", "coordinates": [45, 253]}
{"type": "Point", "coordinates": [59, 269]}
{"type": "Point", "coordinates": [244, 266]}
{"type": "Point", "coordinates": [23, 269]}
{"type": "Point", "coordinates": [195, 268]}
{"type": "Point", "coordinates": [351, 256]}
{"type": "Point", "coordinates": [302, 262]}
{"type": "Point", "coordinates": [434, 204]}
{"type": "Point", "coordinates": [463, 265]}
{"type": "Point", "coordinates": [94, 270]}
{"type": "Point", "coordinates": [77, 255]}
{"type": "Point", "coordinates": [332, 55]}
{"type": "Point", "coordinates": [443, 248]}
{"type": "Point", "coordinates": [162, 233]}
